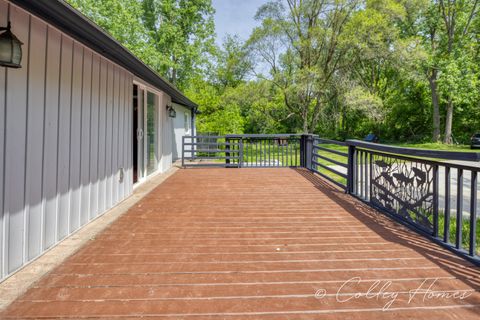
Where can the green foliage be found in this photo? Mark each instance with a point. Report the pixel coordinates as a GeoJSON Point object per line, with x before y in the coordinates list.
{"type": "Point", "coordinates": [216, 116]}
{"type": "Point", "coordinates": [406, 70]}
{"type": "Point", "coordinates": [174, 37]}
{"type": "Point", "coordinates": [233, 64]}
{"type": "Point", "coordinates": [182, 31]}
{"type": "Point", "coordinates": [452, 228]}
{"type": "Point", "coordinates": [122, 19]}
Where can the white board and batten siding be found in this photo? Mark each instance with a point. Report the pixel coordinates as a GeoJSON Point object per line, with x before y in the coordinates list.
{"type": "Point", "coordinates": [180, 129]}
{"type": "Point", "coordinates": [66, 122]}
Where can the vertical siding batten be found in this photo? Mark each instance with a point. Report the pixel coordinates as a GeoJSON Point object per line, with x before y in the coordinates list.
{"type": "Point", "coordinates": [25, 195]}
{"type": "Point", "coordinates": [4, 8]}
{"type": "Point", "coordinates": [121, 133]}
{"type": "Point", "coordinates": [16, 115]}
{"type": "Point", "coordinates": [102, 135]}
{"type": "Point", "coordinates": [85, 138]}
{"type": "Point", "coordinates": [50, 172]}
{"type": "Point", "coordinates": [75, 139]}
{"type": "Point", "coordinates": [42, 203]}
{"type": "Point", "coordinates": [64, 137]}
{"type": "Point", "coordinates": [109, 139]}
{"type": "Point", "coordinates": [94, 136]}
{"type": "Point", "coordinates": [35, 132]}
{"type": "Point", "coordinates": [115, 113]}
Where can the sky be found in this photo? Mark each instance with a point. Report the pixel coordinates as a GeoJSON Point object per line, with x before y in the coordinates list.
{"type": "Point", "coordinates": [235, 17]}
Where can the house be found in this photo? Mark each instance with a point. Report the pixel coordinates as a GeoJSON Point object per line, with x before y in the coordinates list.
{"type": "Point", "coordinates": [81, 123]}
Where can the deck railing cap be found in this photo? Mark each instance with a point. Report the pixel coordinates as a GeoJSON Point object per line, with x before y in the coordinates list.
{"type": "Point", "coordinates": [436, 154]}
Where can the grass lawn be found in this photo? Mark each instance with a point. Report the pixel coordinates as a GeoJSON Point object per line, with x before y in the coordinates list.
{"type": "Point", "coordinates": [438, 146]}
{"type": "Point", "coordinates": [465, 231]}
{"type": "Point", "coordinates": [271, 153]}
{"type": "Point", "coordinates": [335, 157]}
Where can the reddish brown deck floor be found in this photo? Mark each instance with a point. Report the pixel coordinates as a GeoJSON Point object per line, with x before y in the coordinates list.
{"type": "Point", "coordinates": [254, 244]}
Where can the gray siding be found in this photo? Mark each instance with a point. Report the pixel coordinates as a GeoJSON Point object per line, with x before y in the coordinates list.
{"type": "Point", "coordinates": [3, 75]}
{"type": "Point", "coordinates": [65, 133]}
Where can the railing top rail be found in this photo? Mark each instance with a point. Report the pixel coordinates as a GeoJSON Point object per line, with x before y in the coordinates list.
{"type": "Point", "coordinates": [427, 161]}
{"type": "Point", "coordinates": [436, 154]}
{"type": "Point", "coordinates": [281, 135]}
{"type": "Point", "coordinates": [204, 137]}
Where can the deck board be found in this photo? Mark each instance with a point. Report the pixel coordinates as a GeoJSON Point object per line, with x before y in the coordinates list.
{"type": "Point", "coordinates": [254, 244]}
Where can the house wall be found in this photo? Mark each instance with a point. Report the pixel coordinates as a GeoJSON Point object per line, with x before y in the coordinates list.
{"type": "Point", "coordinates": [166, 134]}
{"type": "Point", "coordinates": [179, 130]}
{"type": "Point", "coordinates": [65, 135]}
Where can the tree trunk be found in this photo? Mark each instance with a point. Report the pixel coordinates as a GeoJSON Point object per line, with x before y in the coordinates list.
{"type": "Point", "coordinates": [305, 124]}
{"type": "Point", "coordinates": [436, 108]}
{"type": "Point", "coordinates": [448, 122]}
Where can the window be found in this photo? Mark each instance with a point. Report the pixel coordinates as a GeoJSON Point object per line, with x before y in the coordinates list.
{"type": "Point", "coordinates": [186, 122]}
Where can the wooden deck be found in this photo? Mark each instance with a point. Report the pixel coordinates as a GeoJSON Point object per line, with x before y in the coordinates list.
{"type": "Point", "coordinates": [255, 244]}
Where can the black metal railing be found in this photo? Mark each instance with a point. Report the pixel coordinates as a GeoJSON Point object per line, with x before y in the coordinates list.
{"type": "Point", "coordinates": [329, 162]}
{"type": "Point", "coordinates": [434, 192]}
{"type": "Point", "coordinates": [251, 150]}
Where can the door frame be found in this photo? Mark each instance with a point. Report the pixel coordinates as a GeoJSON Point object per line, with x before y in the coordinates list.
{"type": "Point", "coordinates": [146, 89]}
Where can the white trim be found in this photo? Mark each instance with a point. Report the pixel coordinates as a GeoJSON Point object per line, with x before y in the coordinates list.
{"type": "Point", "coordinates": [142, 85]}
{"type": "Point", "coordinates": [151, 88]}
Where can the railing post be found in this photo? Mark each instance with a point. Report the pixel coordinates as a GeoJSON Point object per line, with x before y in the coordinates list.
{"type": "Point", "coordinates": [302, 153]}
{"type": "Point", "coordinates": [473, 214]}
{"type": "Point", "coordinates": [227, 148]}
{"type": "Point", "coordinates": [435, 200]}
{"type": "Point", "coordinates": [183, 152]}
{"type": "Point", "coordinates": [351, 170]}
{"type": "Point", "coordinates": [240, 152]}
{"type": "Point", "coordinates": [306, 149]}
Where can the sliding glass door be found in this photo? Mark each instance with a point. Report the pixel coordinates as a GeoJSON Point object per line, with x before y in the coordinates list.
{"type": "Point", "coordinates": [145, 133]}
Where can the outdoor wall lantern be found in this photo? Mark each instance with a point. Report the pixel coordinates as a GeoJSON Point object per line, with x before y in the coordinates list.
{"type": "Point", "coordinates": [10, 49]}
{"type": "Point", "coordinates": [171, 111]}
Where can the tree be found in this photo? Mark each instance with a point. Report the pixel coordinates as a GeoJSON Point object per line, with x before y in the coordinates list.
{"type": "Point", "coordinates": [458, 76]}
{"type": "Point", "coordinates": [216, 115]}
{"type": "Point", "coordinates": [447, 32]}
{"type": "Point", "coordinates": [174, 37]}
{"type": "Point", "coordinates": [233, 63]}
{"type": "Point", "coordinates": [182, 32]}
{"type": "Point", "coordinates": [300, 44]}
{"type": "Point", "coordinates": [123, 20]}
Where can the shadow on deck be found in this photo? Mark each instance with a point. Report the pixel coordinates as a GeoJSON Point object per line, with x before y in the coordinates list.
{"type": "Point", "coordinates": [255, 244]}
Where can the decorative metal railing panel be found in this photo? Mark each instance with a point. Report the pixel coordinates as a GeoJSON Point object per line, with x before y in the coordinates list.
{"type": "Point", "coordinates": [422, 189]}
{"type": "Point", "coordinates": [404, 188]}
